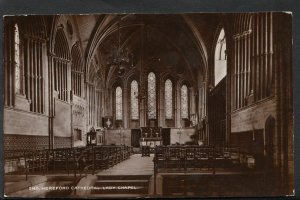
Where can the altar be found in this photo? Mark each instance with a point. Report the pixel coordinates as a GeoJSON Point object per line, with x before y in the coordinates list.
{"type": "Point", "coordinates": [150, 138]}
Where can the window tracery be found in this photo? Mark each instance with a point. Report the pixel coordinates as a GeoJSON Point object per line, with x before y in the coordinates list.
{"type": "Point", "coordinates": [151, 96]}
{"type": "Point", "coordinates": [119, 104]}
{"type": "Point", "coordinates": [134, 100]}
{"type": "Point", "coordinates": [168, 99]}
{"type": "Point", "coordinates": [17, 59]}
{"type": "Point", "coordinates": [184, 102]}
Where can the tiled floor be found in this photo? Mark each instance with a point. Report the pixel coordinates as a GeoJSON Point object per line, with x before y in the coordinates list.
{"type": "Point", "coordinates": [135, 165]}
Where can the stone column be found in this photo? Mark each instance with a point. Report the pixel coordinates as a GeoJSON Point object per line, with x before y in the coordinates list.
{"type": "Point", "coordinates": [126, 108]}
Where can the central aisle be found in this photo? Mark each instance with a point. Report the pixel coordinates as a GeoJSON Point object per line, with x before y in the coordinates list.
{"type": "Point", "coordinates": [135, 165]}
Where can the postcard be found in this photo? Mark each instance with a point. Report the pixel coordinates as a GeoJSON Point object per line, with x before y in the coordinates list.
{"type": "Point", "coordinates": [148, 105]}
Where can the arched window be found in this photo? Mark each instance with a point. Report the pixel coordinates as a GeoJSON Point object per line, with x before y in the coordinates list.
{"type": "Point", "coordinates": [134, 100]}
{"type": "Point", "coordinates": [151, 96]}
{"type": "Point", "coordinates": [119, 104]}
{"type": "Point", "coordinates": [168, 99]}
{"type": "Point", "coordinates": [62, 56]}
{"type": "Point", "coordinates": [184, 102]}
{"type": "Point", "coordinates": [77, 72]}
{"type": "Point", "coordinates": [17, 59]}
{"type": "Point", "coordinates": [33, 44]}
{"type": "Point", "coordinates": [220, 58]}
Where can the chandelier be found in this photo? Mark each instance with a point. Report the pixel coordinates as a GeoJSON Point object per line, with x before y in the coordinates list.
{"type": "Point", "coordinates": [120, 57]}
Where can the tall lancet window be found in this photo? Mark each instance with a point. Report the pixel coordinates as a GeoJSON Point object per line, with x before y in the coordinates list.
{"type": "Point", "coordinates": [151, 96]}
{"type": "Point", "coordinates": [220, 58]}
{"type": "Point", "coordinates": [168, 99]}
{"type": "Point", "coordinates": [184, 102]}
{"type": "Point", "coordinates": [119, 104]}
{"type": "Point", "coordinates": [134, 100]}
{"type": "Point", "coordinates": [17, 60]}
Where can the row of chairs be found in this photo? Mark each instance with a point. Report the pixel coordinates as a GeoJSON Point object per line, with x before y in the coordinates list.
{"type": "Point", "coordinates": [70, 159]}
{"type": "Point", "coordinates": [107, 156]}
{"type": "Point", "coordinates": [195, 157]}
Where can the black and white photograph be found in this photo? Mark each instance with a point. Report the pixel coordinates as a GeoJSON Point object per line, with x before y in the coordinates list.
{"type": "Point", "coordinates": [127, 105]}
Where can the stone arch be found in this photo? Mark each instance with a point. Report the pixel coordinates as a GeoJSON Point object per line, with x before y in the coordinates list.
{"type": "Point", "coordinates": [77, 70]}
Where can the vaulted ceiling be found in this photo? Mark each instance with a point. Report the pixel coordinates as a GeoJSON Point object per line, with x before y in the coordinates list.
{"type": "Point", "coordinates": [176, 41]}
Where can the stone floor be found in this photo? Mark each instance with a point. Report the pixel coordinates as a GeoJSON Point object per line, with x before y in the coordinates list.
{"type": "Point", "coordinates": [135, 165]}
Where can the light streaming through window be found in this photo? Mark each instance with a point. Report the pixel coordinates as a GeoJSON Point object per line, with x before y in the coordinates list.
{"type": "Point", "coordinates": [151, 96]}
{"type": "Point", "coordinates": [134, 100]}
{"type": "Point", "coordinates": [168, 99]}
{"type": "Point", "coordinates": [184, 102]}
{"type": "Point", "coordinates": [119, 104]}
{"type": "Point", "coordinates": [17, 59]}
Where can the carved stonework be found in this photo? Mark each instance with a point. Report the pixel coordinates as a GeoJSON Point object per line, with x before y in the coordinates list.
{"type": "Point", "coordinates": [22, 103]}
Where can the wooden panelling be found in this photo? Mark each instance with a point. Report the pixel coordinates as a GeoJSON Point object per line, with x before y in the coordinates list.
{"type": "Point", "coordinates": [25, 142]}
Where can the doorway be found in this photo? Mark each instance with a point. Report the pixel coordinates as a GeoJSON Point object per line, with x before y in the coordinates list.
{"type": "Point", "coordinates": [135, 137]}
{"type": "Point", "coordinates": [166, 136]}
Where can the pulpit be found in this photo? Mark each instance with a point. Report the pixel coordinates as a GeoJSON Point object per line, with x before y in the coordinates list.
{"type": "Point", "coordinates": [95, 137]}
{"type": "Point", "coordinates": [100, 133]}
{"type": "Point", "coordinates": [91, 137]}
{"type": "Point", "coordinates": [150, 138]}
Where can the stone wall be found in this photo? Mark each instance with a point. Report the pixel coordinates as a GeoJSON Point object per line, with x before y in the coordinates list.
{"type": "Point", "coordinates": [79, 119]}
{"type": "Point", "coordinates": [62, 119]}
{"type": "Point", "coordinates": [248, 130]}
{"type": "Point", "coordinates": [116, 137]}
{"type": "Point", "coordinates": [19, 122]}
{"type": "Point", "coordinates": [181, 138]}
{"type": "Point", "coordinates": [254, 117]}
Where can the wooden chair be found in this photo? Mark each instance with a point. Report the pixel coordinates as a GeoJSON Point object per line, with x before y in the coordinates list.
{"type": "Point", "coordinates": [43, 160]}
{"type": "Point", "coordinates": [233, 154]}
{"type": "Point", "coordinates": [145, 151]}
{"type": "Point", "coordinates": [190, 157]}
{"type": "Point", "coordinates": [101, 158]}
{"type": "Point", "coordinates": [174, 157]}
{"type": "Point", "coordinates": [60, 159]}
{"type": "Point", "coordinates": [204, 157]}
{"type": "Point", "coordinates": [160, 156]}
{"type": "Point", "coordinates": [31, 163]}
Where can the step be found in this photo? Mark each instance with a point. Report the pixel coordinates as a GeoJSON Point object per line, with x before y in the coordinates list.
{"type": "Point", "coordinates": [121, 190]}
{"type": "Point", "coordinates": [123, 177]}
{"type": "Point", "coordinates": [121, 183]}
{"type": "Point", "coordinates": [114, 196]}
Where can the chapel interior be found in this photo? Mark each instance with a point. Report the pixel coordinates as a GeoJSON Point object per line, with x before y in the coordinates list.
{"type": "Point", "coordinates": [148, 105]}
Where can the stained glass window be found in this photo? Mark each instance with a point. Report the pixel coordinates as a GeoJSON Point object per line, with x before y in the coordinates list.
{"type": "Point", "coordinates": [134, 100]}
{"type": "Point", "coordinates": [184, 102]}
{"type": "Point", "coordinates": [151, 96]}
{"type": "Point", "coordinates": [168, 99]}
{"type": "Point", "coordinates": [17, 59]}
{"type": "Point", "coordinates": [119, 104]}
